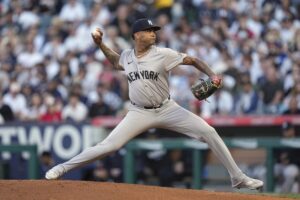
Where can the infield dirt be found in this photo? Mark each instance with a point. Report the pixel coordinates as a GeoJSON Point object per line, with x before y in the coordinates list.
{"type": "Point", "coordinates": [82, 190]}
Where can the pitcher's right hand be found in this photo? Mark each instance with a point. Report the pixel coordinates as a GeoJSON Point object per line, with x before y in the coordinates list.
{"type": "Point", "coordinates": [97, 36]}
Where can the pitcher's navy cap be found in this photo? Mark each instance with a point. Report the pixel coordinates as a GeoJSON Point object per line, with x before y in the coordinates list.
{"type": "Point", "coordinates": [143, 24]}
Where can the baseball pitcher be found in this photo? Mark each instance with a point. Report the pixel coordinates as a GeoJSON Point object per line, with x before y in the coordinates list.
{"type": "Point", "coordinates": [147, 68]}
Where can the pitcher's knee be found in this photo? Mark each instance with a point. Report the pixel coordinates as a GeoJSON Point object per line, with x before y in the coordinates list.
{"type": "Point", "coordinates": [203, 133]}
{"type": "Point", "coordinates": [209, 133]}
{"type": "Point", "coordinates": [212, 131]}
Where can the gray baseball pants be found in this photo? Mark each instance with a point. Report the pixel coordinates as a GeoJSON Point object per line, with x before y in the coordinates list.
{"type": "Point", "coordinates": [170, 116]}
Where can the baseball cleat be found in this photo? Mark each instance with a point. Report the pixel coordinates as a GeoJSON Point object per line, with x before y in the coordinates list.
{"type": "Point", "coordinates": [248, 183]}
{"type": "Point", "coordinates": [55, 172]}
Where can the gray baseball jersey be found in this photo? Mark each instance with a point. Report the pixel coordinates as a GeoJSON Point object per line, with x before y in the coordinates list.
{"type": "Point", "coordinates": [148, 76]}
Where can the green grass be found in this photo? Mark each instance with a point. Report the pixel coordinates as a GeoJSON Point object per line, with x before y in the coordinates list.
{"type": "Point", "coordinates": [290, 196]}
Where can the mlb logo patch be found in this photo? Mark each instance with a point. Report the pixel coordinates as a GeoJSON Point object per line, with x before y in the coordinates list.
{"type": "Point", "coordinates": [150, 22]}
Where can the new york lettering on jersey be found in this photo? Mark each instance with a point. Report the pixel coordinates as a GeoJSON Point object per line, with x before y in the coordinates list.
{"type": "Point", "coordinates": [144, 74]}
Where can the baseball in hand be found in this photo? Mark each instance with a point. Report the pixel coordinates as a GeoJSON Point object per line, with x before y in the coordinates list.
{"type": "Point", "coordinates": [95, 33]}
{"type": "Point", "coordinates": [97, 36]}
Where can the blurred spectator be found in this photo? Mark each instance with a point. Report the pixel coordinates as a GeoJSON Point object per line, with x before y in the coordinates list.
{"type": "Point", "coordinates": [36, 108]}
{"type": "Point", "coordinates": [122, 21]}
{"type": "Point", "coordinates": [149, 162]}
{"type": "Point", "coordinates": [107, 169]}
{"type": "Point", "coordinates": [99, 108]}
{"type": "Point", "coordinates": [286, 174]}
{"type": "Point", "coordinates": [73, 11]}
{"type": "Point", "coordinates": [53, 111]}
{"type": "Point", "coordinates": [141, 9]}
{"type": "Point", "coordinates": [28, 17]}
{"type": "Point", "coordinates": [99, 173]}
{"type": "Point", "coordinates": [174, 169]}
{"type": "Point", "coordinates": [82, 32]}
{"type": "Point", "coordinates": [110, 98]}
{"type": "Point", "coordinates": [27, 91]}
{"type": "Point", "coordinates": [72, 42]}
{"type": "Point", "coordinates": [81, 84]}
{"type": "Point", "coordinates": [54, 48]}
{"type": "Point", "coordinates": [29, 57]}
{"type": "Point", "coordinates": [292, 77]}
{"type": "Point", "coordinates": [101, 13]}
{"type": "Point", "coordinates": [74, 110]}
{"type": "Point", "coordinates": [288, 130]}
{"type": "Point", "coordinates": [249, 64]}
{"type": "Point", "coordinates": [5, 69]}
{"type": "Point", "coordinates": [247, 100]}
{"type": "Point", "coordinates": [76, 89]}
{"type": "Point", "coordinates": [64, 75]}
{"type": "Point", "coordinates": [16, 101]}
{"type": "Point", "coordinates": [6, 113]}
{"type": "Point", "coordinates": [164, 7]}
{"type": "Point", "coordinates": [114, 41]}
{"type": "Point", "coordinates": [272, 91]}
{"type": "Point", "coordinates": [114, 163]}
{"type": "Point", "coordinates": [53, 88]}
{"type": "Point", "coordinates": [287, 31]}
{"type": "Point", "coordinates": [240, 29]}
{"type": "Point", "coordinates": [293, 107]}
{"type": "Point", "coordinates": [94, 69]}
{"type": "Point", "coordinates": [179, 84]}
{"type": "Point", "coordinates": [293, 98]}
{"type": "Point", "coordinates": [221, 103]}
{"type": "Point", "coordinates": [286, 170]}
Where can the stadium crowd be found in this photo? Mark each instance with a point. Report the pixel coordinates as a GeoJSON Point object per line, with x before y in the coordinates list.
{"type": "Point", "coordinates": [50, 70]}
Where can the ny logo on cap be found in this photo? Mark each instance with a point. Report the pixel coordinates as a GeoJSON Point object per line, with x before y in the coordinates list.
{"type": "Point", "coordinates": [149, 22]}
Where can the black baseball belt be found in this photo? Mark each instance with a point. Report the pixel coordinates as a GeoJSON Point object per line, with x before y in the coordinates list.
{"type": "Point", "coordinates": [152, 107]}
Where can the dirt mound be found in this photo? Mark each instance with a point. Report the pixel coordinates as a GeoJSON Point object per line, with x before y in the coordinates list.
{"type": "Point", "coordinates": [79, 190]}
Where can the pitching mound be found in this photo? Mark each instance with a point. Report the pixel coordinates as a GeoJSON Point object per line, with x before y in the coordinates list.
{"type": "Point", "coordinates": [82, 190]}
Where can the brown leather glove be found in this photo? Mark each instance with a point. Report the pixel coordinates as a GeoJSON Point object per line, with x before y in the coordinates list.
{"type": "Point", "coordinates": [205, 88]}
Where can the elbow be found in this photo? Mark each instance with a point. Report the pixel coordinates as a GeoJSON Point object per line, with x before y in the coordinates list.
{"type": "Point", "coordinates": [194, 61]}
{"type": "Point", "coordinates": [190, 61]}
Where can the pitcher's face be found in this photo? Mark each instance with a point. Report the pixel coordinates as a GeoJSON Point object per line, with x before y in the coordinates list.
{"type": "Point", "coordinates": [147, 37]}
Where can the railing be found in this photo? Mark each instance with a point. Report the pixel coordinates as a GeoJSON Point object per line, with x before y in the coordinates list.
{"type": "Point", "coordinates": [33, 159]}
{"type": "Point", "coordinates": [269, 144]}
{"type": "Point", "coordinates": [232, 121]}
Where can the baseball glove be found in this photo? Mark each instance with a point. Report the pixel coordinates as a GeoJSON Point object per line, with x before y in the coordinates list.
{"type": "Point", "coordinates": [205, 88]}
